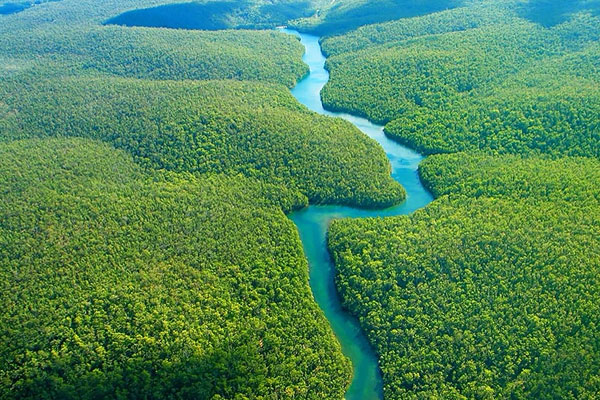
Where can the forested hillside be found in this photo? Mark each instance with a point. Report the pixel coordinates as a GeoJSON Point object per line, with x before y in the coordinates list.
{"type": "Point", "coordinates": [474, 78]}
{"type": "Point", "coordinates": [217, 14]}
{"type": "Point", "coordinates": [149, 154]}
{"type": "Point", "coordinates": [120, 284]}
{"type": "Point", "coordinates": [513, 176]}
{"type": "Point", "coordinates": [253, 129]}
{"type": "Point", "coordinates": [157, 53]}
{"type": "Point", "coordinates": [491, 291]}
{"type": "Point", "coordinates": [478, 298]}
{"type": "Point", "coordinates": [144, 177]}
{"type": "Point", "coordinates": [70, 33]}
{"type": "Point", "coordinates": [341, 16]}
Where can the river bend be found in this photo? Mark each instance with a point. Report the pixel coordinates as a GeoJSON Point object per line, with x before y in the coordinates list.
{"type": "Point", "coordinates": [313, 221]}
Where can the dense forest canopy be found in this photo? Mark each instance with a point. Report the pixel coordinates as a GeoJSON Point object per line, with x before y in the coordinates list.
{"type": "Point", "coordinates": [157, 53]}
{"type": "Point", "coordinates": [117, 283]}
{"type": "Point", "coordinates": [345, 15]}
{"type": "Point", "coordinates": [491, 291]}
{"type": "Point", "coordinates": [474, 78]}
{"type": "Point", "coordinates": [144, 176]}
{"type": "Point", "coordinates": [215, 15]}
{"type": "Point", "coordinates": [484, 298]}
{"type": "Point", "coordinates": [513, 176]}
{"type": "Point", "coordinates": [253, 129]}
{"type": "Point", "coordinates": [145, 173]}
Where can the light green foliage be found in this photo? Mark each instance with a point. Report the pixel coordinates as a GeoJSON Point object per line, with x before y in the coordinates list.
{"type": "Point", "coordinates": [119, 284]}
{"type": "Point", "coordinates": [163, 53]}
{"type": "Point", "coordinates": [396, 31]}
{"type": "Point", "coordinates": [478, 298]}
{"type": "Point", "coordinates": [549, 120]}
{"type": "Point", "coordinates": [144, 248]}
{"type": "Point", "coordinates": [492, 290]}
{"type": "Point", "coordinates": [257, 130]}
{"type": "Point", "coordinates": [476, 77]}
{"type": "Point", "coordinates": [166, 268]}
{"type": "Point", "coordinates": [513, 176]}
{"type": "Point", "coordinates": [229, 127]}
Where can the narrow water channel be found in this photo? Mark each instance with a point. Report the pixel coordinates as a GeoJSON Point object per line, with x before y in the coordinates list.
{"type": "Point", "coordinates": [312, 223]}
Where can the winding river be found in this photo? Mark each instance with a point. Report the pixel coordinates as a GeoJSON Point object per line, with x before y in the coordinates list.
{"type": "Point", "coordinates": [312, 223]}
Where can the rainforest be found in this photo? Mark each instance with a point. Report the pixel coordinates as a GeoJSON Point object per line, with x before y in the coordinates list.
{"type": "Point", "coordinates": [315, 199]}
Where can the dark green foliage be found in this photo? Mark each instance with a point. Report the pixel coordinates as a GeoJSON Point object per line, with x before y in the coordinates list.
{"type": "Point", "coordinates": [220, 126]}
{"type": "Point", "coordinates": [491, 291]}
{"type": "Point", "coordinates": [214, 15]}
{"type": "Point", "coordinates": [437, 23]}
{"type": "Point", "coordinates": [242, 13]}
{"type": "Point", "coordinates": [550, 12]}
{"type": "Point", "coordinates": [165, 268]}
{"type": "Point", "coordinates": [169, 270]}
{"type": "Point", "coordinates": [497, 82]}
{"type": "Point", "coordinates": [280, 12]}
{"type": "Point", "coordinates": [209, 16]}
{"type": "Point", "coordinates": [345, 15]}
{"type": "Point", "coordinates": [116, 284]}
{"type": "Point", "coordinates": [478, 298]}
{"type": "Point", "coordinates": [562, 121]}
{"type": "Point", "coordinates": [12, 7]}
{"type": "Point", "coordinates": [69, 32]}
{"type": "Point", "coordinates": [443, 22]}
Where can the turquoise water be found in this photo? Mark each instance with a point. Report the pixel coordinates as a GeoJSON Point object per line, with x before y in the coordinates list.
{"type": "Point", "coordinates": [313, 221]}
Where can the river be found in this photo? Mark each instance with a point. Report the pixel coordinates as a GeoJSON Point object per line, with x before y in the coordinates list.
{"type": "Point", "coordinates": [313, 221]}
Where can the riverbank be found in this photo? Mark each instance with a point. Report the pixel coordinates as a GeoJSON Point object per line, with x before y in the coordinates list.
{"type": "Point", "coordinates": [313, 222]}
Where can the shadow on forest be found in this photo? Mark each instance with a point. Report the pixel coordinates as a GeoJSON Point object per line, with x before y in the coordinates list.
{"type": "Point", "coordinates": [210, 16]}
{"type": "Point", "coordinates": [340, 18]}
{"type": "Point", "coordinates": [549, 13]}
{"type": "Point", "coordinates": [15, 7]}
{"type": "Point", "coordinates": [213, 15]}
{"type": "Point", "coordinates": [236, 366]}
{"type": "Point", "coordinates": [11, 8]}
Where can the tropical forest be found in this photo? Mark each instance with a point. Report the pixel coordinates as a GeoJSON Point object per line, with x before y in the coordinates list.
{"type": "Point", "coordinates": [300, 199]}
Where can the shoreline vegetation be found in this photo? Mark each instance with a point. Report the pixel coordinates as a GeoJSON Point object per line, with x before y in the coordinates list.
{"type": "Point", "coordinates": [144, 245]}
{"type": "Point", "coordinates": [487, 292]}
{"type": "Point", "coordinates": [313, 223]}
{"type": "Point", "coordinates": [146, 173]}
